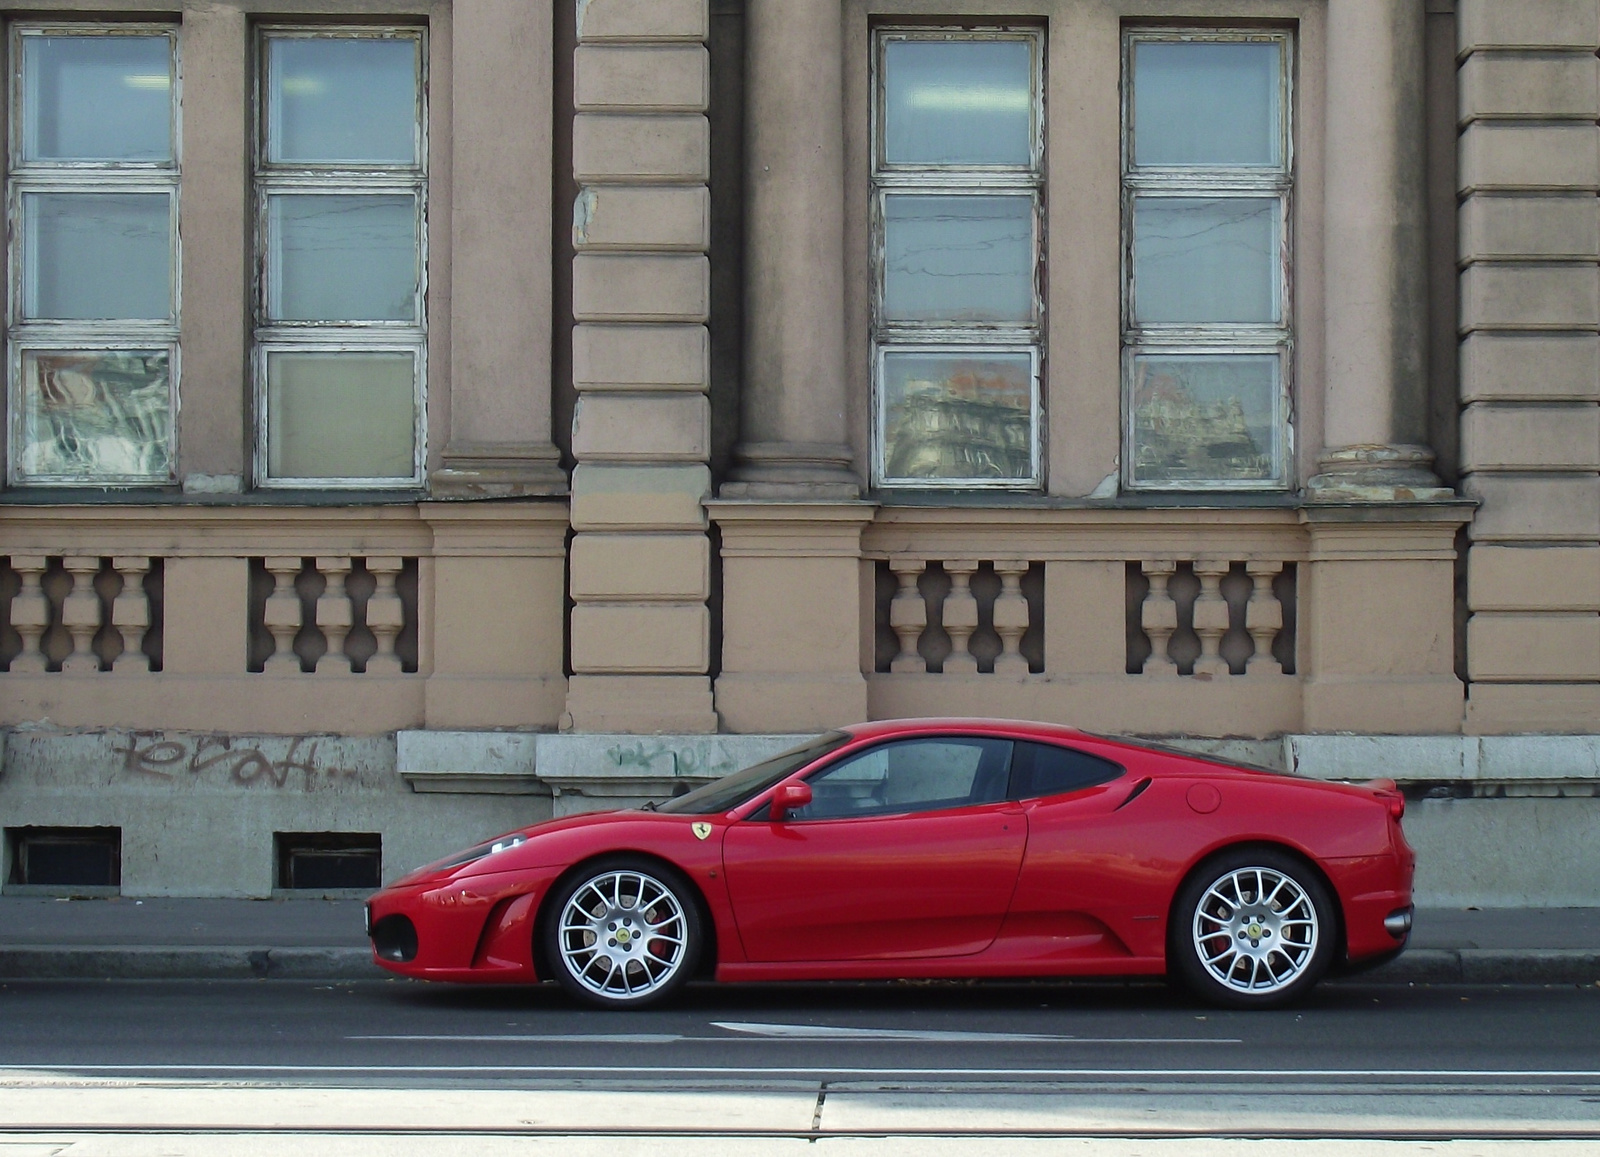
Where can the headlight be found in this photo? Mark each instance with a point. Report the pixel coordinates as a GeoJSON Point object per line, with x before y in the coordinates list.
{"type": "Point", "coordinates": [506, 842]}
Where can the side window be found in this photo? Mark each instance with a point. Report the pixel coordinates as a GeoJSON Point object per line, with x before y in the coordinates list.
{"type": "Point", "coordinates": [93, 220]}
{"type": "Point", "coordinates": [1039, 769]}
{"type": "Point", "coordinates": [914, 776]}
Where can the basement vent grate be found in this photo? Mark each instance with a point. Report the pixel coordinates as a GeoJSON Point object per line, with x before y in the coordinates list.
{"type": "Point", "coordinates": [322, 861]}
{"type": "Point", "coordinates": [65, 857]}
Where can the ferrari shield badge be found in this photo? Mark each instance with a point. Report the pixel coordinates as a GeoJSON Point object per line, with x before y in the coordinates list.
{"type": "Point", "coordinates": [701, 829]}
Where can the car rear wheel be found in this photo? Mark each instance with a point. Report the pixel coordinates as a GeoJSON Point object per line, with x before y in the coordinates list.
{"type": "Point", "coordinates": [623, 934]}
{"type": "Point", "coordinates": [1254, 928]}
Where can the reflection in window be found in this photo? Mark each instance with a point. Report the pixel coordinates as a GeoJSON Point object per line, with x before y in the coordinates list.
{"type": "Point", "coordinates": [94, 312]}
{"type": "Point", "coordinates": [958, 184]}
{"type": "Point", "coordinates": [341, 190]}
{"type": "Point", "coordinates": [1206, 181]}
{"type": "Point", "coordinates": [916, 775]}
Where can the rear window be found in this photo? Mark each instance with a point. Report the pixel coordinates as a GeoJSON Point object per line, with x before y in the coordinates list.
{"type": "Point", "coordinates": [1039, 769]}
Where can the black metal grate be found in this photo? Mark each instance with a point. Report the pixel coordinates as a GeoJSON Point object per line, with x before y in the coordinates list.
{"type": "Point", "coordinates": [65, 857]}
{"type": "Point", "coordinates": [328, 860]}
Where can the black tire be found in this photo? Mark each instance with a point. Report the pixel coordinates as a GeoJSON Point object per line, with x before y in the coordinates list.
{"type": "Point", "coordinates": [1266, 922]}
{"type": "Point", "coordinates": [596, 934]}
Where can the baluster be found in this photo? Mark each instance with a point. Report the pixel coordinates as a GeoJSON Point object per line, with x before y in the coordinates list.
{"type": "Point", "coordinates": [960, 616]}
{"type": "Point", "coordinates": [335, 615]}
{"type": "Point", "coordinates": [30, 612]}
{"type": "Point", "coordinates": [908, 615]}
{"type": "Point", "coordinates": [1210, 617]}
{"type": "Point", "coordinates": [1010, 617]}
{"type": "Point", "coordinates": [281, 616]}
{"type": "Point", "coordinates": [130, 613]}
{"type": "Point", "coordinates": [386, 614]}
{"type": "Point", "coordinates": [1263, 618]}
{"type": "Point", "coordinates": [80, 613]}
{"type": "Point", "coordinates": [1159, 617]}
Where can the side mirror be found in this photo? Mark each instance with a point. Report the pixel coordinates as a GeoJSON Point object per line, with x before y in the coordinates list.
{"type": "Point", "coordinates": [787, 798]}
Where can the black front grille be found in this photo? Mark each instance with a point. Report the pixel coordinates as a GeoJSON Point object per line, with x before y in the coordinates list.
{"type": "Point", "coordinates": [395, 938]}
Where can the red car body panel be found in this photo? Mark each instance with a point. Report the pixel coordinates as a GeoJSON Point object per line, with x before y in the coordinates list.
{"type": "Point", "coordinates": [1068, 885]}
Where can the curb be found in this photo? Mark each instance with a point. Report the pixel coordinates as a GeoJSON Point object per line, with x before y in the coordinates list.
{"type": "Point", "coordinates": [63, 962]}
{"type": "Point", "coordinates": [1488, 966]}
{"type": "Point", "coordinates": [52, 962]}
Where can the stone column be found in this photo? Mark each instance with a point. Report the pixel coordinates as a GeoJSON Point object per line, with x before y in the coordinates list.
{"type": "Point", "coordinates": [500, 253]}
{"type": "Point", "coordinates": [1375, 249]}
{"type": "Point", "coordinates": [640, 561]}
{"type": "Point", "coordinates": [793, 443]}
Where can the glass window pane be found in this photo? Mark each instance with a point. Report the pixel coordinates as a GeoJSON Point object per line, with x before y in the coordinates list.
{"type": "Point", "coordinates": [97, 98]}
{"type": "Point", "coordinates": [1197, 260]}
{"type": "Point", "coordinates": [1206, 418]}
{"type": "Point", "coordinates": [342, 257]}
{"type": "Point", "coordinates": [958, 259]}
{"type": "Point", "coordinates": [341, 415]}
{"type": "Point", "coordinates": [97, 255]}
{"type": "Point", "coordinates": [964, 416]}
{"type": "Point", "coordinates": [1206, 103]}
{"type": "Point", "coordinates": [958, 102]}
{"type": "Point", "coordinates": [915, 776]}
{"type": "Point", "coordinates": [342, 98]}
{"type": "Point", "coordinates": [95, 414]}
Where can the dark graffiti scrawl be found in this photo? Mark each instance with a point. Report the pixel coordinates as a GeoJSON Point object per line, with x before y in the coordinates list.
{"type": "Point", "coordinates": [292, 762]}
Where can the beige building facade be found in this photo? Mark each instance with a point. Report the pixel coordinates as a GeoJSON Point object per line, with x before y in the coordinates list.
{"type": "Point", "coordinates": [424, 417]}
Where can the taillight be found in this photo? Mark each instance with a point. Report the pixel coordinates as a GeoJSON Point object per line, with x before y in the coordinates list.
{"type": "Point", "coordinates": [1397, 805]}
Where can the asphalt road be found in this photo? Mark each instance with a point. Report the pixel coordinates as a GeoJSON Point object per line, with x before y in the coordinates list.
{"type": "Point", "coordinates": [230, 1065]}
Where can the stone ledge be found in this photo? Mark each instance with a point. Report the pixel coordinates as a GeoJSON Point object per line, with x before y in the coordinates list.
{"type": "Point", "coordinates": [1503, 759]}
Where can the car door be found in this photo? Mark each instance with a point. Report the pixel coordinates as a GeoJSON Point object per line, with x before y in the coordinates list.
{"type": "Point", "coordinates": [908, 849]}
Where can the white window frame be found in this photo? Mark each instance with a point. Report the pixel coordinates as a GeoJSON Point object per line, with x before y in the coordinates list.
{"type": "Point", "coordinates": [1212, 182]}
{"type": "Point", "coordinates": [24, 178]}
{"type": "Point", "coordinates": [376, 337]}
{"type": "Point", "coordinates": [943, 338]}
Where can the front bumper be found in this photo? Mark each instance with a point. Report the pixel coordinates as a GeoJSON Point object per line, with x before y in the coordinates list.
{"type": "Point", "coordinates": [474, 929]}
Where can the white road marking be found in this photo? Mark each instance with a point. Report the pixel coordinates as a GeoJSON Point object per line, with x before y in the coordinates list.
{"type": "Point", "coordinates": [34, 1068]}
{"type": "Point", "coordinates": [839, 1032]}
{"type": "Point", "coordinates": [541, 1037]}
{"type": "Point", "coordinates": [797, 1033]}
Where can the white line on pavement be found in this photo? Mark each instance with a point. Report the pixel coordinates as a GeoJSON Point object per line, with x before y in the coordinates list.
{"type": "Point", "coordinates": [825, 1070]}
{"type": "Point", "coordinates": [840, 1032]}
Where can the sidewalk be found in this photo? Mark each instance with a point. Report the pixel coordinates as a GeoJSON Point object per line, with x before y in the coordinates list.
{"type": "Point", "coordinates": [151, 939]}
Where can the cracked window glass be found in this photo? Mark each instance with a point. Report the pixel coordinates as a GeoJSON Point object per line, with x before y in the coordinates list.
{"type": "Point", "coordinates": [100, 256]}
{"type": "Point", "coordinates": [342, 258]}
{"type": "Point", "coordinates": [960, 258]}
{"type": "Point", "coordinates": [1205, 260]}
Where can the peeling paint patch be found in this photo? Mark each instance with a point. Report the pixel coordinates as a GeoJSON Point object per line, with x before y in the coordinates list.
{"type": "Point", "coordinates": [582, 216]}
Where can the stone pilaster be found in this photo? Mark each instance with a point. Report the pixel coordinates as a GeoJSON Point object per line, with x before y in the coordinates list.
{"type": "Point", "coordinates": [640, 561]}
{"type": "Point", "coordinates": [1530, 360]}
{"type": "Point", "coordinates": [499, 442]}
{"type": "Point", "coordinates": [792, 414]}
{"type": "Point", "coordinates": [1375, 257]}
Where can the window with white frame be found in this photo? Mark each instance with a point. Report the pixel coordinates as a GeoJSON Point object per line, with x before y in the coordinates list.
{"type": "Point", "coordinates": [1207, 173]}
{"type": "Point", "coordinates": [341, 188]}
{"type": "Point", "coordinates": [957, 213]}
{"type": "Point", "coordinates": [93, 211]}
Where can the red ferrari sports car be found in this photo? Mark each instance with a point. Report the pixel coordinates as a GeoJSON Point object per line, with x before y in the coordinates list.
{"type": "Point", "coordinates": [929, 848]}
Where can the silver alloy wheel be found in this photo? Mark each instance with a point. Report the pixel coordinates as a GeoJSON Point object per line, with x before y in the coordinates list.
{"type": "Point", "coordinates": [1255, 930]}
{"type": "Point", "coordinates": [622, 935]}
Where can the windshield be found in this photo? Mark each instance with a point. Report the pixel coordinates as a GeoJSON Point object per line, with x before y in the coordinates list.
{"type": "Point", "coordinates": [733, 790]}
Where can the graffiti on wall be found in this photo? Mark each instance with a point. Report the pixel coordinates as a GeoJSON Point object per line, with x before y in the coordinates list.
{"type": "Point", "coordinates": [277, 762]}
{"type": "Point", "coordinates": [693, 760]}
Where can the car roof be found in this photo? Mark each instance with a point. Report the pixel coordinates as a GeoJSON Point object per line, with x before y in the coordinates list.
{"type": "Point", "coordinates": [1018, 728]}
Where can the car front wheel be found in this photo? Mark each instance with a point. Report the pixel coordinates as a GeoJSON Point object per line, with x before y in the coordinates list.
{"type": "Point", "coordinates": [1252, 929]}
{"type": "Point", "coordinates": [623, 934]}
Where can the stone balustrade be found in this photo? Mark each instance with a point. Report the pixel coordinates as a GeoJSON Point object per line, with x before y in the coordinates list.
{"type": "Point", "coordinates": [77, 614]}
{"type": "Point", "coordinates": [255, 620]}
{"type": "Point", "coordinates": [1211, 617]}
